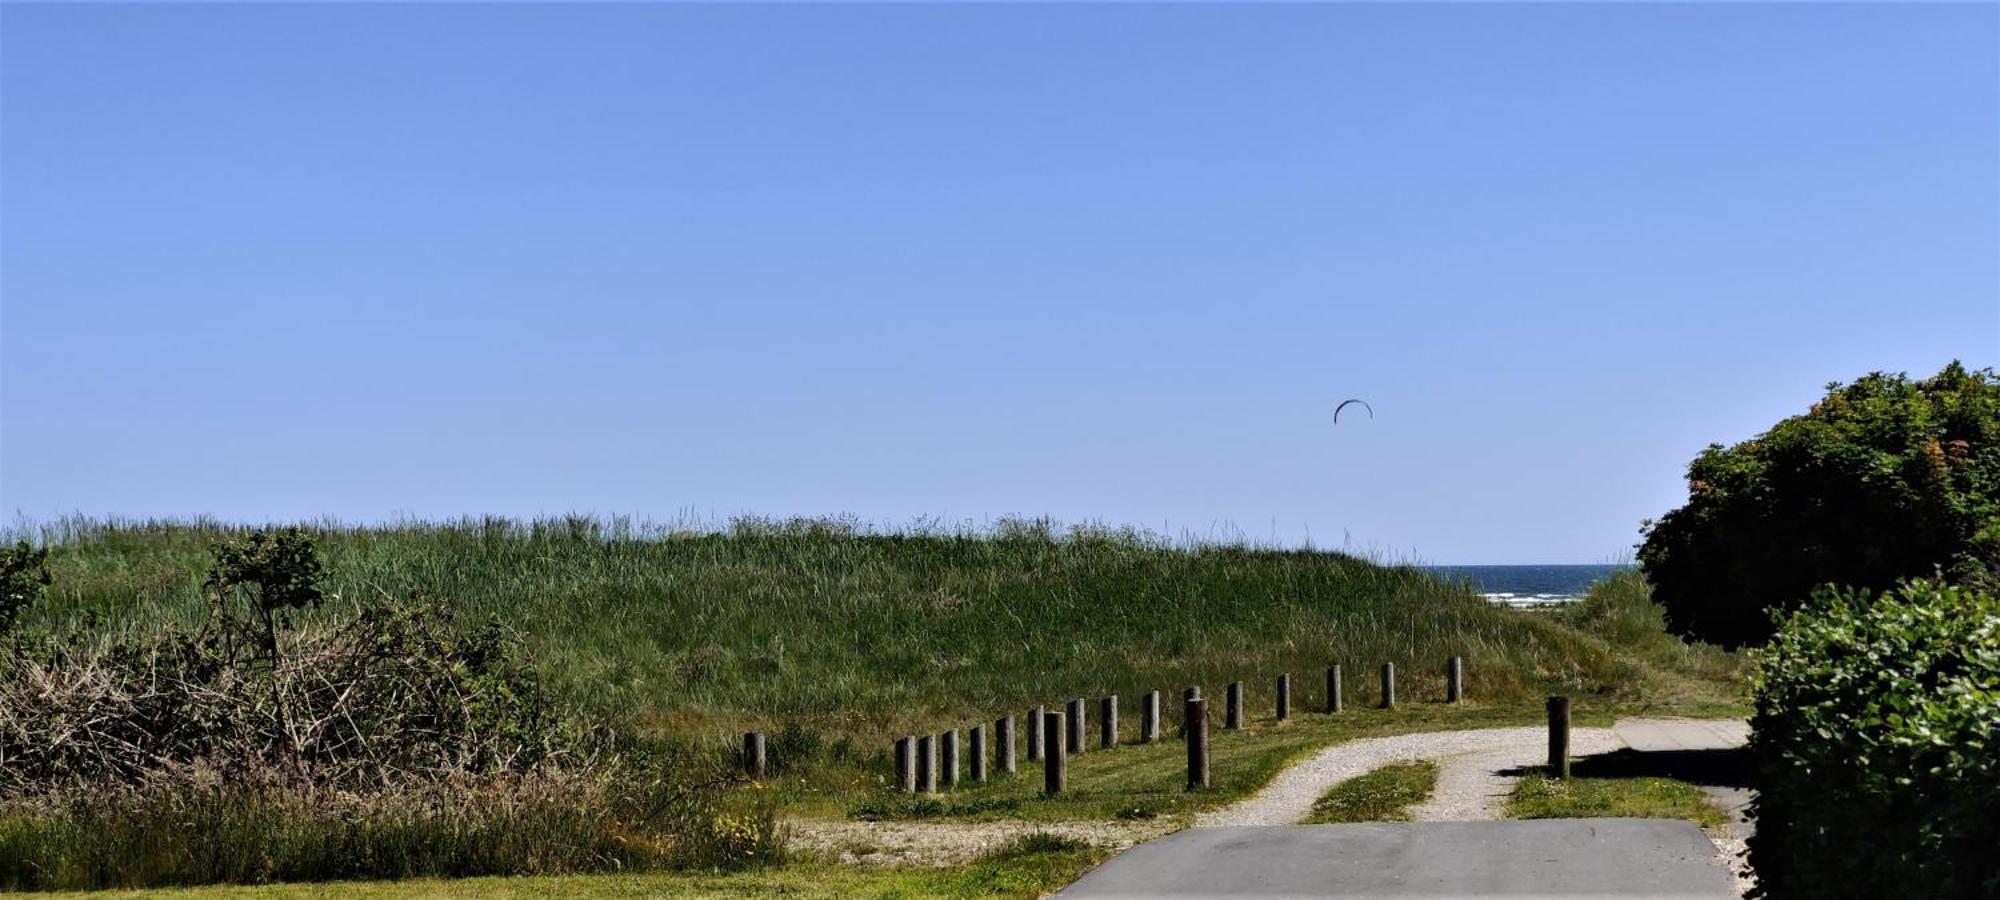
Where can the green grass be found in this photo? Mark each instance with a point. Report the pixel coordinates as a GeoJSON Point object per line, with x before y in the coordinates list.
{"type": "Point", "coordinates": [1383, 795]}
{"type": "Point", "coordinates": [1539, 797]}
{"type": "Point", "coordinates": [1021, 873]}
{"type": "Point", "coordinates": [851, 633]}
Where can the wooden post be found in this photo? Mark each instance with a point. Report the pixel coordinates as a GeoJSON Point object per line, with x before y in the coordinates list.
{"type": "Point", "coordinates": [926, 766]}
{"type": "Point", "coordinates": [1332, 689]}
{"type": "Point", "coordinates": [1559, 737]}
{"type": "Point", "coordinates": [1195, 724]}
{"type": "Point", "coordinates": [753, 754]}
{"type": "Point", "coordinates": [1454, 680]}
{"type": "Point", "coordinates": [1388, 685]}
{"type": "Point", "coordinates": [1232, 710]}
{"type": "Point", "coordinates": [1107, 722]}
{"type": "Point", "coordinates": [1003, 744]}
{"type": "Point", "coordinates": [1149, 717]}
{"type": "Point", "coordinates": [976, 753]}
{"type": "Point", "coordinates": [948, 770]}
{"type": "Point", "coordinates": [1035, 733]}
{"type": "Point", "coordinates": [1193, 693]}
{"type": "Point", "coordinates": [1055, 764]}
{"type": "Point", "coordinates": [906, 765]}
{"type": "Point", "coordinates": [1284, 697]}
{"type": "Point", "coordinates": [1076, 723]}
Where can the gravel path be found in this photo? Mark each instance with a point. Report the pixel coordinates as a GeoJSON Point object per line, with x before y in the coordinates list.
{"type": "Point", "coordinates": [1469, 787]}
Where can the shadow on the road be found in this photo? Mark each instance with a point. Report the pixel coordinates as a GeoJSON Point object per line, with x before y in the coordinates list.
{"type": "Point", "coordinates": [1709, 768]}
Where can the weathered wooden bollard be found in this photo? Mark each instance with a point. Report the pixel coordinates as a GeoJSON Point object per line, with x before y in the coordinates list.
{"type": "Point", "coordinates": [1107, 722]}
{"type": "Point", "coordinates": [926, 765]}
{"type": "Point", "coordinates": [976, 753]}
{"type": "Point", "coordinates": [906, 765]}
{"type": "Point", "coordinates": [1194, 721]}
{"type": "Point", "coordinates": [1388, 685]}
{"type": "Point", "coordinates": [1035, 733]}
{"type": "Point", "coordinates": [1232, 710]}
{"type": "Point", "coordinates": [1333, 700]}
{"type": "Point", "coordinates": [1055, 763]}
{"type": "Point", "coordinates": [1454, 680]}
{"type": "Point", "coordinates": [1003, 741]}
{"type": "Point", "coordinates": [1149, 717]}
{"type": "Point", "coordinates": [1284, 697]}
{"type": "Point", "coordinates": [1187, 696]}
{"type": "Point", "coordinates": [753, 754]}
{"type": "Point", "coordinates": [1076, 723]}
{"type": "Point", "coordinates": [948, 765]}
{"type": "Point", "coordinates": [1559, 737]}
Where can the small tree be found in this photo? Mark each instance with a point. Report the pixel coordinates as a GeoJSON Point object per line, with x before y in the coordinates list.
{"type": "Point", "coordinates": [269, 574]}
{"type": "Point", "coordinates": [1883, 479]}
{"type": "Point", "coordinates": [24, 575]}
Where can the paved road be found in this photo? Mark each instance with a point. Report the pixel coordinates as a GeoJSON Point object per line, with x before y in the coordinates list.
{"type": "Point", "coordinates": [1629, 858]}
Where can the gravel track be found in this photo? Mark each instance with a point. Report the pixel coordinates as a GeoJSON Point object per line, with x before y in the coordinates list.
{"type": "Point", "coordinates": [1469, 786]}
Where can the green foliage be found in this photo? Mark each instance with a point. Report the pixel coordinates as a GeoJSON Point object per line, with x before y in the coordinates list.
{"type": "Point", "coordinates": [275, 572]}
{"type": "Point", "coordinates": [1886, 478]}
{"type": "Point", "coordinates": [24, 575]}
{"type": "Point", "coordinates": [1383, 795]}
{"type": "Point", "coordinates": [1876, 746]}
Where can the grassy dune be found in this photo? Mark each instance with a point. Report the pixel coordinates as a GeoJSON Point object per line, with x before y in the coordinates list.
{"type": "Point", "coordinates": [857, 633]}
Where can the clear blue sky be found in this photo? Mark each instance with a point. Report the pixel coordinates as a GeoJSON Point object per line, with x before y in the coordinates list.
{"type": "Point", "coordinates": [1109, 262]}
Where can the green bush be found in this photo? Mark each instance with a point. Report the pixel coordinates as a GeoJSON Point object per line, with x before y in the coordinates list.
{"type": "Point", "coordinates": [1884, 479]}
{"type": "Point", "coordinates": [1876, 746]}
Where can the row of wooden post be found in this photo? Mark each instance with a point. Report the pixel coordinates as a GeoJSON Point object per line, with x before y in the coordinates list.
{"type": "Point", "coordinates": [928, 763]}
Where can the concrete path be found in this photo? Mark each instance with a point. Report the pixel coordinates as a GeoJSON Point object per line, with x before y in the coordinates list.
{"type": "Point", "coordinates": [1454, 849]}
{"type": "Point", "coordinates": [1643, 858]}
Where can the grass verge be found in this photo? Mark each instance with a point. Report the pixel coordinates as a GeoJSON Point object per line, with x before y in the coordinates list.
{"type": "Point", "coordinates": [1028, 869]}
{"type": "Point", "coordinates": [1540, 797]}
{"type": "Point", "coordinates": [1383, 795]}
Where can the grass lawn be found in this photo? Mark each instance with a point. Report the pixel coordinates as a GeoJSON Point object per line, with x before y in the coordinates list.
{"type": "Point", "coordinates": [1029, 874]}
{"type": "Point", "coordinates": [1383, 795]}
{"type": "Point", "coordinates": [1538, 797]}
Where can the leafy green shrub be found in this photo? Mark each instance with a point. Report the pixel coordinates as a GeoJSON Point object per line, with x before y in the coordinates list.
{"type": "Point", "coordinates": [1876, 746]}
{"type": "Point", "coordinates": [24, 574]}
{"type": "Point", "coordinates": [1885, 478]}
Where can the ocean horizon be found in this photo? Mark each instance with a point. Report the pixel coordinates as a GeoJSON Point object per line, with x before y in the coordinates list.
{"type": "Point", "coordinates": [1530, 585]}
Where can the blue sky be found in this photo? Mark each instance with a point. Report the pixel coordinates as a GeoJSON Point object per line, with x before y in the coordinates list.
{"type": "Point", "coordinates": [1103, 262]}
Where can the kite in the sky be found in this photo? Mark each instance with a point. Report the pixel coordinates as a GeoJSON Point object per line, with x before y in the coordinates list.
{"type": "Point", "coordinates": [1343, 405]}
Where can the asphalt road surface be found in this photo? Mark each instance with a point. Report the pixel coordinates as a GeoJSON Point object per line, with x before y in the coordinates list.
{"type": "Point", "coordinates": [1631, 858]}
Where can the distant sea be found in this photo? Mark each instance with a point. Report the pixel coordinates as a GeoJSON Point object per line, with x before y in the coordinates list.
{"type": "Point", "coordinates": [1528, 585]}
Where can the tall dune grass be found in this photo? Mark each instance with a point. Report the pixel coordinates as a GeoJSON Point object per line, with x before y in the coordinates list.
{"type": "Point", "coordinates": [858, 630]}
